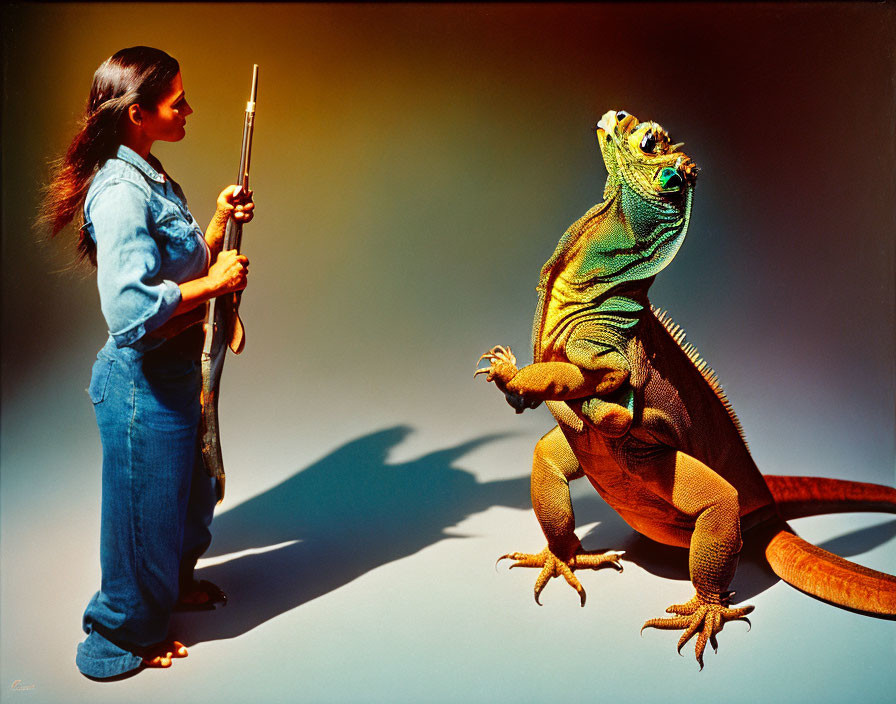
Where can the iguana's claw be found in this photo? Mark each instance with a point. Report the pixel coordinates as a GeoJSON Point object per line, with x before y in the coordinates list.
{"type": "Point", "coordinates": [703, 616]}
{"type": "Point", "coordinates": [553, 566]}
{"type": "Point", "coordinates": [496, 356]}
{"type": "Point", "coordinates": [498, 353]}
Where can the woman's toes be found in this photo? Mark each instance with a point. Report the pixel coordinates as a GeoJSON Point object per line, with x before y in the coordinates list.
{"type": "Point", "coordinates": [158, 661]}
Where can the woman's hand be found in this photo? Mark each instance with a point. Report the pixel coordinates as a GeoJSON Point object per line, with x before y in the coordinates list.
{"type": "Point", "coordinates": [234, 201]}
{"type": "Point", "coordinates": [228, 273]}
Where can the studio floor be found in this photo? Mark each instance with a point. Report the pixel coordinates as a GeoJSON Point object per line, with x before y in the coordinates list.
{"type": "Point", "coordinates": [362, 570]}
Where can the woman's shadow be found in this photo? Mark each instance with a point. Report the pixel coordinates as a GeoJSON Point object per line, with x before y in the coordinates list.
{"type": "Point", "coordinates": [339, 518]}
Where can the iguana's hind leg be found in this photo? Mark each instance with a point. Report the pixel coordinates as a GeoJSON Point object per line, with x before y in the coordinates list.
{"type": "Point", "coordinates": [698, 491]}
{"type": "Point", "coordinates": [553, 466]}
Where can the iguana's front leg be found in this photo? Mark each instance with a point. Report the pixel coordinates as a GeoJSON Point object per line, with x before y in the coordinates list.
{"type": "Point", "coordinates": [696, 490]}
{"type": "Point", "coordinates": [554, 465]}
{"type": "Point", "coordinates": [550, 381]}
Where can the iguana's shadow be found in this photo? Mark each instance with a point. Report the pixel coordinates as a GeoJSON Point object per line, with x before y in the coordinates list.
{"type": "Point", "coordinates": [335, 520]}
{"type": "Point", "coordinates": [753, 576]}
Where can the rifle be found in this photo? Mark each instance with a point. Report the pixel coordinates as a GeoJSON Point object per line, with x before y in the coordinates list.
{"type": "Point", "coordinates": [222, 323]}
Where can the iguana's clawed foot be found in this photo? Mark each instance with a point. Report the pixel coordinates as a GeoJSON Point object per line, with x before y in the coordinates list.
{"type": "Point", "coordinates": [502, 367]}
{"type": "Point", "coordinates": [553, 566]}
{"type": "Point", "coordinates": [501, 370]}
{"type": "Point", "coordinates": [700, 616]}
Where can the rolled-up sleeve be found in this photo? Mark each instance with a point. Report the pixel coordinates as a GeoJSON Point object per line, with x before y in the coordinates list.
{"type": "Point", "coordinates": [134, 298]}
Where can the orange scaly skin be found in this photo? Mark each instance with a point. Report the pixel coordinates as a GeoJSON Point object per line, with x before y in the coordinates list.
{"type": "Point", "coordinates": [646, 421]}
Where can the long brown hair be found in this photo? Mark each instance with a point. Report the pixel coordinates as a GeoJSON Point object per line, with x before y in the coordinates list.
{"type": "Point", "coordinates": [139, 74]}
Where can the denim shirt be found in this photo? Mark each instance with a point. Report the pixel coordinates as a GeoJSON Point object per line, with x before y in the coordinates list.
{"type": "Point", "coordinates": [147, 243]}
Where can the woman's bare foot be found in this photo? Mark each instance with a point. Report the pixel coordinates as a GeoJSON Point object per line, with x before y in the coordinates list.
{"type": "Point", "coordinates": [163, 653]}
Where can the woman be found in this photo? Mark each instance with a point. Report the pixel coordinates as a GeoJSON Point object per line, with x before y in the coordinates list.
{"type": "Point", "coordinates": [155, 271]}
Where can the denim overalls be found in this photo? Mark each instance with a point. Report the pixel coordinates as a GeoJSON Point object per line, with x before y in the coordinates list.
{"type": "Point", "coordinates": [157, 499]}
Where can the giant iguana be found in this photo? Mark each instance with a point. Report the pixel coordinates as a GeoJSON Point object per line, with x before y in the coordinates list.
{"type": "Point", "coordinates": [644, 418]}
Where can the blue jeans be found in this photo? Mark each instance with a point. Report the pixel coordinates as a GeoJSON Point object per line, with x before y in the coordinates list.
{"type": "Point", "coordinates": [157, 502]}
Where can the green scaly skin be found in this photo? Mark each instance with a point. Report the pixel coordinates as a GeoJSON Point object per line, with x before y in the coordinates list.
{"type": "Point", "coordinates": [643, 418]}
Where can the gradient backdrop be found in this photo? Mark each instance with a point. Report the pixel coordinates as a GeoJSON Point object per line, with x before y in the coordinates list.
{"type": "Point", "coordinates": [414, 166]}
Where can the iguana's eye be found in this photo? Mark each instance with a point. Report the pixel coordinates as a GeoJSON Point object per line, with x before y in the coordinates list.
{"type": "Point", "coordinates": [648, 143]}
{"type": "Point", "coordinates": [669, 179]}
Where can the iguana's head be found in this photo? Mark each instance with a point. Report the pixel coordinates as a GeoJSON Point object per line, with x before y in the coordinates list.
{"type": "Point", "coordinates": [640, 155]}
{"type": "Point", "coordinates": [650, 184]}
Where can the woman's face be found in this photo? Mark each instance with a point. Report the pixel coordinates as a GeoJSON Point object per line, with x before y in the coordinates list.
{"type": "Point", "coordinates": [167, 121]}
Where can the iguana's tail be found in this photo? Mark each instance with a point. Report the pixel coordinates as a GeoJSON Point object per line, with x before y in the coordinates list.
{"type": "Point", "coordinates": [811, 496]}
{"type": "Point", "coordinates": [819, 572]}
